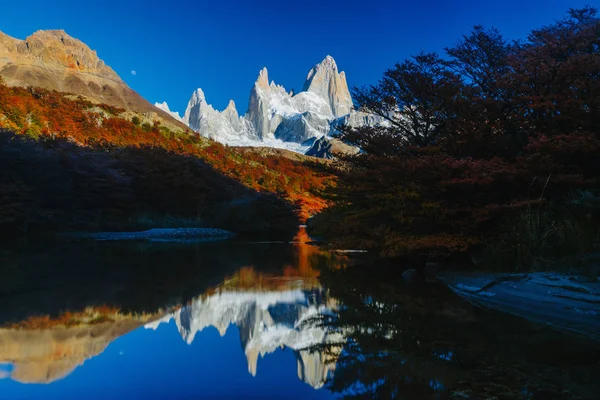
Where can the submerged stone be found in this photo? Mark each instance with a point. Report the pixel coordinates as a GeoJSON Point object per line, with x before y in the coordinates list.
{"type": "Point", "coordinates": [410, 275]}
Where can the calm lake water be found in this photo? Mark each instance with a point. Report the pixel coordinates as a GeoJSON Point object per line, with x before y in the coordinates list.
{"type": "Point", "coordinates": [236, 319]}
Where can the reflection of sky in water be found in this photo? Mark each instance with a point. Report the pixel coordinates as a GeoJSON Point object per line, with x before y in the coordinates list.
{"type": "Point", "coordinates": [5, 370]}
{"type": "Point", "coordinates": [158, 364]}
{"type": "Point", "coordinates": [445, 356]}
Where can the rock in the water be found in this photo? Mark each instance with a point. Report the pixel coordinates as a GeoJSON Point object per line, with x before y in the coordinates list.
{"type": "Point", "coordinates": [431, 271]}
{"type": "Point", "coordinates": [410, 275]}
{"type": "Point", "coordinates": [546, 298]}
{"type": "Point", "coordinates": [583, 279]}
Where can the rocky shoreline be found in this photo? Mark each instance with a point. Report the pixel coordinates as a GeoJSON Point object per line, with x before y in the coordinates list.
{"type": "Point", "coordinates": [160, 234]}
{"type": "Point", "coordinates": [565, 302]}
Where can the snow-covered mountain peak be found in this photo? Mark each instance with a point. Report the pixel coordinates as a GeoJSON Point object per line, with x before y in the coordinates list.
{"type": "Point", "coordinates": [327, 63]}
{"type": "Point", "coordinates": [277, 117]}
{"type": "Point", "coordinates": [225, 127]}
{"type": "Point", "coordinates": [328, 66]}
{"type": "Point", "coordinates": [165, 107]}
{"type": "Point", "coordinates": [231, 105]}
{"type": "Point", "coordinates": [193, 113]}
{"type": "Point", "coordinates": [198, 96]}
{"type": "Point", "coordinates": [230, 111]}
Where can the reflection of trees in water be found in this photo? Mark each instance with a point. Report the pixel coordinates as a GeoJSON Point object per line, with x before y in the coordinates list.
{"type": "Point", "coordinates": [419, 342]}
{"type": "Point", "coordinates": [46, 278]}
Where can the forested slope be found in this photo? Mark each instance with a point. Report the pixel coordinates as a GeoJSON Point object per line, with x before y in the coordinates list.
{"type": "Point", "coordinates": [67, 162]}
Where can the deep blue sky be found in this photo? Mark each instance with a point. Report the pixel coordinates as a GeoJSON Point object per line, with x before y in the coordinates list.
{"type": "Point", "coordinates": [176, 46]}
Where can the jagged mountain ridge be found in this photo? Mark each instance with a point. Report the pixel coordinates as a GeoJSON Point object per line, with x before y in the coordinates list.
{"type": "Point", "coordinates": [165, 107]}
{"type": "Point", "coordinates": [222, 126]}
{"type": "Point", "coordinates": [325, 80]}
{"type": "Point", "coordinates": [278, 118]}
{"type": "Point", "coordinates": [275, 118]}
{"type": "Point", "coordinates": [54, 60]}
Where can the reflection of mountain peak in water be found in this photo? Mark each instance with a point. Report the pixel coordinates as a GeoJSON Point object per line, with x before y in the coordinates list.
{"type": "Point", "coordinates": [225, 308]}
{"type": "Point", "coordinates": [266, 321]}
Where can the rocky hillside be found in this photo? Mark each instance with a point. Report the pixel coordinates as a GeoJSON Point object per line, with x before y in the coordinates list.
{"type": "Point", "coordinates": [94, 153]}
{"type": "Point", "coordinates": [36, 72]}
{"type": "Point", "coordinates": [54, 60]}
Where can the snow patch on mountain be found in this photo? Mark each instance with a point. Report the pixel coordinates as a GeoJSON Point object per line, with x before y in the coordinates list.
{"type": "Point", "coordinates": [165, 107]}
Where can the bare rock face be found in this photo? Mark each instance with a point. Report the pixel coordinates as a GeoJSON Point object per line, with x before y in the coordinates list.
{"type": "Point", "coordinates": [330, 148]}
{"type": "Point", "coordinates": [325, 80]}
{"type": "Point", "coordinates": [302, 127]}
{"type": "Point", "coordinates": [195, 109]}
{"type": "Point", "coordinates": [56, 49]}
{"type": "Point", "coordinates": [8, 47]}
{"type": "Point", "coordinates": [260, 114]}
{"type": "Point", "coordinates": [276, 113]}
{"type": "Point", "coordinates": [54, 60]}
{"type": "Point", "coordinates": [357, 119]}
